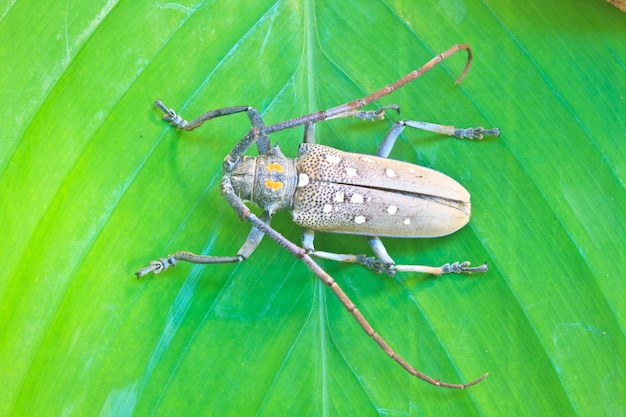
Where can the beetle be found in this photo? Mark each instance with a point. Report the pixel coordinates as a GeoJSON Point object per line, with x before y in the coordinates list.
{"type": "Point", "coordinates": [334, 191]}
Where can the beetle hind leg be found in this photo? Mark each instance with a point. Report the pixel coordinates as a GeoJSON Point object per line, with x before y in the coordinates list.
{"type": "Point", "coordinates": [391, 267]}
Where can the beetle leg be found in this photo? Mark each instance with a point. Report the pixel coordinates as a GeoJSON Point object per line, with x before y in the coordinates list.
{"type": "Point", "coordinates": [379, 249]}
{"type": "Point", "coordinates": [369, 262]}
{"type": "Point", "coordinates": [308, 235]}
{"type": "Point", "coordinates": [398, 127]}
{"type": "Point", "coordinates": [469, 133]}
{"type": "Point", "coordinates": [174, 119]}
{"type": "Point", "coordinates": [251, 243]}
{"type": "Point", "coordinates": [384, 262]}
{"type": "Point", "coordinates": [373, 115]}
{"type": "Point", "coordinates": [454, 268]}
{"type": "Point", "coordinates": [391, 268]}
{"type": "Point", "coordinates": [309, 133]}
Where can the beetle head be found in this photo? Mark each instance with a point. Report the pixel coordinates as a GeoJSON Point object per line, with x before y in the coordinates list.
{"type": "Point", "coordinates": [242, 177]}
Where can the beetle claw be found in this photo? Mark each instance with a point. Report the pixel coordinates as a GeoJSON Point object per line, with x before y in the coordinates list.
{"type": "Point", "coordinates": [462, 268]}
{"type": "Point", "coordinates": [372, 263]}
{"type": "Point", "coordinates": [379, 114]}
{"type": "Point", "coordinates": [156, 267]}
{"type": "Point", "coordinates": [476, 133]}
{"type": "Point", "coordinates": [170, 115]}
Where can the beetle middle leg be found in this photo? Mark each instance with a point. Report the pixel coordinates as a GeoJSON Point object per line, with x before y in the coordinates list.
{"type": "Point", "coordinates": [250, 244]}
{"type": "Point", "coordinates": [469, 133]}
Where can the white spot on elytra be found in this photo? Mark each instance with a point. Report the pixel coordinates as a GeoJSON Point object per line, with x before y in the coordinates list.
{"type": "Point", "coordinates": [333, 159]}
{"type": "Point", "coordinates": [339, 197]}
{"type": "Point", "coordinates": [407, 222]}
{"type": "Point", "coordinates": [351, 172]}
{"type": "Point", "coordinates": [303, 180]}
{"type": "Point", "coordinates": [356, 198]}
{"type": "Point", "coordinates": [390, 173]}
{"type": "Point", "coordinates": [359, 219]}
{"type": "Point", "coordinates": [366, 159]}
{"type": "Point", "coordinates": [392, 210]}
{"type": "Point", "coordinates": [411, 170]}
{"type": "Point", "coordinates": [328, 208]}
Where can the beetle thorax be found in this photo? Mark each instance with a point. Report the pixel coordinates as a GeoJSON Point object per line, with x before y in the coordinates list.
{"type": "Point", "coordinates": [268, 181]}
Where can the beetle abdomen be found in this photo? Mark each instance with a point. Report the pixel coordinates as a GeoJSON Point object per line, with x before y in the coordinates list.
{"type": "Point", "coordinates": [342, 192]}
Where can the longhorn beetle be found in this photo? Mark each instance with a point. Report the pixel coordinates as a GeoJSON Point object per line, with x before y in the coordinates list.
{"type": "Point", "coordinates": [334, 191]}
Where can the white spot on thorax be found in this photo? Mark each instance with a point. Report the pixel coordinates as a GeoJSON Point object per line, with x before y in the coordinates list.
{"type": "Point", "coordinates": [303, 180]}
{"type": "Point", "coordinates": [407, 222]}
{"type": "Point", "coordinates": [390, 173]}
{"type": "Point", "coordinates": [333, 159]}
{"type": "Point", "coordinates": [356, 198]}
{"type": "Point", "coordinates": [366, 159]}
{"type": "Point", "coordinates": [351, 172]}
{"type": "Point", "coordinates": [359, 219]}
{"type": "Point", "coordinates": [392, 210]}
{"type": "Point", "coordinates": [339, 197]}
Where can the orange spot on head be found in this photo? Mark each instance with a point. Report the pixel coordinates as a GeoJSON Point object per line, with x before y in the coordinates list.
{"type": "Point", "coordinates": [275, 167]}
{"type": "Point", "coordinates": [274, 185]}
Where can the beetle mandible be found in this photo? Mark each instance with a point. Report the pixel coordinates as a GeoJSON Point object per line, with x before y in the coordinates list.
{"type": "Point", "coordinates": [334, 191]}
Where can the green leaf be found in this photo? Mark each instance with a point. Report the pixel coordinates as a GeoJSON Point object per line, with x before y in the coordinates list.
{"type": "Point", "coordinates": [94, 185]}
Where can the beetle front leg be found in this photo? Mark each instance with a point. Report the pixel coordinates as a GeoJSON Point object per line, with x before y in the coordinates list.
{"type": "Point", "coordinates": [251, 243]}
{"type": "Point", "coordinates": [163, 264]}
{"type": "Point", "coordinates": [174, 119]}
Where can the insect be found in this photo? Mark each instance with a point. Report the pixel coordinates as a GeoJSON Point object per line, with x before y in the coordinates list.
{"type": "Point", "coordinates": [334, 191]}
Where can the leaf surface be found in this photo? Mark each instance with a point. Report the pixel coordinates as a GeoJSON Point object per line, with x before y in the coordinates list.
{"type": "Point", "coordinates": [94, 184]}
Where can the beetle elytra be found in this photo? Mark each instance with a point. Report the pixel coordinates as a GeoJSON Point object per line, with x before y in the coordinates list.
{"type": "Point", "coordinates": [334, 191]}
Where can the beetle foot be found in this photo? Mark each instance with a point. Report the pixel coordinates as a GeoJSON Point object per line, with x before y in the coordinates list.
{"type": "Point", "coordinates": [371, 262]}
{"type": "Point", "coordinates": [157, 267]}
{"type": "Point", "coordinates": [475, 133]}
{"type": "Point", "coordinates": [374, 264]}
{"type": "Point", "coordinates": [171, 116]}
{"type": "Point", "coordinates": [378, 114]}
{"type": "Point", "coordinates": [462, 268]}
